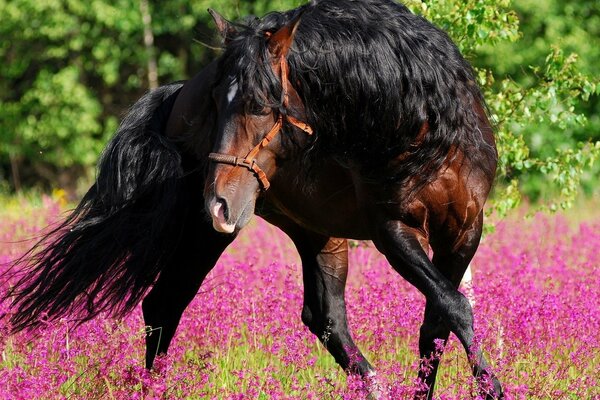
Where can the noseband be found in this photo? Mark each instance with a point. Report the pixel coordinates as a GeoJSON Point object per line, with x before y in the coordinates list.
{"type": "Point", "coordinates": [249, 162]}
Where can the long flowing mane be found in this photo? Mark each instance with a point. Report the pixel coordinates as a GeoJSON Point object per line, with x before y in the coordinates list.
{"type": "Point", "coordinates": [370, 74]}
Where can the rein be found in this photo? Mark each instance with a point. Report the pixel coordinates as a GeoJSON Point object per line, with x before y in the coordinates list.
{"type": "Point", "coordinates": [249, 161]}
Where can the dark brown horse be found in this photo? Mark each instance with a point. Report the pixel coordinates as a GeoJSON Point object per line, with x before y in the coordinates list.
{"type": "Point", "coordinates": [327, 122]}
{"type": "Point", "coordinates": [379, 112]}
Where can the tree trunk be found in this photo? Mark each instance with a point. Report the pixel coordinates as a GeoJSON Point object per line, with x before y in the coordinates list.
{"type": "Point", "coordinates": [149, 43]}
{"type": "Point", "coordinates": [16, 176]}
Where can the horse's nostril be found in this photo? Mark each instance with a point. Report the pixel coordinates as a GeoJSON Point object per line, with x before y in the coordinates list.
{"type": "Point", "coordinates": [224, 207]}
{"type": "Point", "coordinates": [220, 216]}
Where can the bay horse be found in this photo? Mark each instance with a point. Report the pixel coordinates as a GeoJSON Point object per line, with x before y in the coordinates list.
{"type": "Point", "coordinates": [381, 107]}
{"type": "Point", "coordinates": [374, 130]}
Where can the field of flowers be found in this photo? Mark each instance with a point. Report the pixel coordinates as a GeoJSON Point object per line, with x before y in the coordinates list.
{"type": "Point", "coordinates": [536, 293]}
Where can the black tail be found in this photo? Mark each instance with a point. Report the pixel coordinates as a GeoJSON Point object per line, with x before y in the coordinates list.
{"type": "Point", "coordinates": [110, 249]}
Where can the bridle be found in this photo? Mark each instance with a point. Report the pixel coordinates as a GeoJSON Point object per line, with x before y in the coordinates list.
{"type": "Point", "coordinates": [249, 161]}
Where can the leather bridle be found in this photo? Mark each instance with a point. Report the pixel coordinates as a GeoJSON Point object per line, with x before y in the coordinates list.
{"type": "Point", "coordinates": [249, 161]}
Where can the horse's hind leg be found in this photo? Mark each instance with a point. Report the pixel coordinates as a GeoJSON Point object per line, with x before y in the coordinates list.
{"type": "Point", "coordinates": [452, 263]}
{"type": "Point", "coordinates": [179, 281]}
{"type": "Point", "coordinates": [447, 309]}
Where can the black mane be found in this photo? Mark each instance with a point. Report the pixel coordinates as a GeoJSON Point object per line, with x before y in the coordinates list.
{"type": "Point", "coordinates": [370, 73]}
{"type": "Point", "coordinates": [245, 57]}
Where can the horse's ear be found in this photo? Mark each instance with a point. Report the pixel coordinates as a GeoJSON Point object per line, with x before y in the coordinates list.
{"type": "Point", "coordinates": [225, 28]}
{"type": "Point", "coordinates": [281, 41]}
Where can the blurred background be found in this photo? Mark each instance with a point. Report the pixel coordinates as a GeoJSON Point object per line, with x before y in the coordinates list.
{"type": "Point", "coordinates": [71, 68]}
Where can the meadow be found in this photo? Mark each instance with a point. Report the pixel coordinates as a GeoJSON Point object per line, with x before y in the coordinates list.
{"type": "Point", "coordinates": [535, 291]}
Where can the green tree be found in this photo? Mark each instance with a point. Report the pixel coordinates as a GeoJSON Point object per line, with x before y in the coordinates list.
{"type": "Point", "coordinates": [71, 67]}
{"type": "Point", "coordinates": [60, 63]}
{"type": "Point", "coordinates": [569, 31]}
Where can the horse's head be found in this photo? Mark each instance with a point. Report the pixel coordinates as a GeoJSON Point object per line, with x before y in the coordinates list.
{"type": "Point", "coordinates": [254, 101]}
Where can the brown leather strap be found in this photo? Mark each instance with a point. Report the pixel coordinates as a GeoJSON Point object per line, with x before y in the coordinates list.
{"type": "Point", "coordinates": [299, 124]}
{"type": "Point", "coordinates": [240, 162]}
{"type": "Point", "coordinates": [261, 176]}
{"type": "Point", "coordinates": [265, 141]}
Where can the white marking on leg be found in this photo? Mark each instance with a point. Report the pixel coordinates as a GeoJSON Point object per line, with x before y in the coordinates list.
{"type": "Point", "coordinates": [467, 285]}
{"type": "Point", "coordinates": [374, 387]}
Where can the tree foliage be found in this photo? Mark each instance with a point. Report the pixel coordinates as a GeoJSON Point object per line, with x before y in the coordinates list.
{"type": "Point", "coordinates": [71, 67]}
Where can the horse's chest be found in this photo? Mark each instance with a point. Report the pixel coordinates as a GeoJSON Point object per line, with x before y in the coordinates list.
{"type": "Point", "coordinates": [329, 206]}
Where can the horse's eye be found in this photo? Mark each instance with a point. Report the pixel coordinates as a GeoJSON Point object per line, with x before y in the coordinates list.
{"type": "Point", "coordinates": [256, 109]}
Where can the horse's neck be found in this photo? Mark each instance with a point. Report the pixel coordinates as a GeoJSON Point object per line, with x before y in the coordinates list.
{"type": "Point", "coordinates": [193, 115]}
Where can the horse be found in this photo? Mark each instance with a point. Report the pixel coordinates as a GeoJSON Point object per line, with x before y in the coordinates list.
{"type": "Point", "coordinates": [381, 107]}
{"type": "Point", "coordinates": [412, 170]}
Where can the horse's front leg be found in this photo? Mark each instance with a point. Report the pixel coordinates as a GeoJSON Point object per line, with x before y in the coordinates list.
{"type": "Point", "coordinates": [447, 309]}
{"type": "Point", "coordinates": [324, 271]}
{"type": "Point", "coordinates": [199, 248]}
{"type": "Point", "coordinates": [324, 268]}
